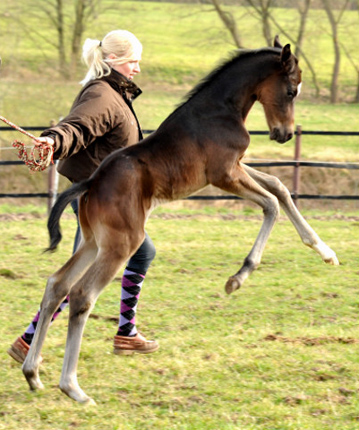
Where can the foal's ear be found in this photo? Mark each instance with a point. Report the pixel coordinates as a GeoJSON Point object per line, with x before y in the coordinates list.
{"type": "Point", "coordinates": [276, 43]}
{"type": "Point", "coordinates": [287, 59]}
{"type": "Point", "coordinates": [286, 53]}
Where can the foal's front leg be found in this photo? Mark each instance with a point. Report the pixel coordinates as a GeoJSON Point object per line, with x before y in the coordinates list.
{"type": "Point", "coordinates": [241, 184]}
{"type": "Point", "coordinates": [307, 234]}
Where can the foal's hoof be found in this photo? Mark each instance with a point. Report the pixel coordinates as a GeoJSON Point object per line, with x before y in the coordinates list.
{"type": "Point", "coordinates": [333, 261]}
{"type": "Point", "coordinates": [232, 285]}
{"type": "Point", "coordinates": [89, 402]}
{"type": "Point", "coordinates": [32, 376]}
{"type": "Point", "coordinates": [34, 383]}
{"type": "Point", "coordinates": [73, 391]}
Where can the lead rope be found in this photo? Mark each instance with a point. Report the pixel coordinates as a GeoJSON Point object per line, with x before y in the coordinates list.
{"type": "Point", "coordinates": [41, 156]}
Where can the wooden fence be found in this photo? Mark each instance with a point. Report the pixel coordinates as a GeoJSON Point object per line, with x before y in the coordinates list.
{"type": "Point", "coordinates": [296, 163]}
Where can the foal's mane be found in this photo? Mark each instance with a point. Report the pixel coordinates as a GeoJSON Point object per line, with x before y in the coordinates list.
{"type": "Point", "coordinates": [236, 57]}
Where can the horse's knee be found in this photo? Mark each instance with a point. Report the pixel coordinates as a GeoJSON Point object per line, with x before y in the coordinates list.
{"type": "Point", "coordinates": [279, 189]}
{"type": "Point", "coordinates": [56, 288]}
{"type": "Point", "coordinates": [80, 304]}
{"type": "Point", "coordinates": [271, 207]}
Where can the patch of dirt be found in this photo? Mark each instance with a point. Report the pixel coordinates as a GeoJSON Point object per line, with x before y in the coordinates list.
{"type": "Point", "coordinates": [197, 206]}
{"type": "Point", "coordinates": [106, 318]}
{"type": "Point", "coordinates": [7, 273]}
{"type": "Point", "coordinates": [27, 217]}
{"type": "Point", "coordinates": [18, 217]}
{"type": "Point", "coordinates": [295, 400]}
{"type": "Point", "coordinates": [310, 341]}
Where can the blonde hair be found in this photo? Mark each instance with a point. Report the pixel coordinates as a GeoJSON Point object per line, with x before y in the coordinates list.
{"type": "Point", "coordinates": [122, 44]}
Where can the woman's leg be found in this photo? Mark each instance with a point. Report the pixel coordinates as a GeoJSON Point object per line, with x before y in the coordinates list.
{"type": "Point", "coordinates": [127, 339]}
{"type": "Point", "coordinates": [30, 331]}
{"type": "Point", "coordinates": [132, 280]}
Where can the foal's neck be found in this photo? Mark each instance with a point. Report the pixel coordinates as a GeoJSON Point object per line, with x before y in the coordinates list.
{"type": "Point", "coordinates": [241, 82]}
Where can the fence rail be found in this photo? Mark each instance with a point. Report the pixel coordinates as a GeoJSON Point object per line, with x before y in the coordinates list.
{"type": "Point", "coordinates": [296, 163]}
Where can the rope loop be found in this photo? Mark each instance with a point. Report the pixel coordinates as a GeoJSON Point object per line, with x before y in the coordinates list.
{"type": "Point", "coordinates": [40, 157]}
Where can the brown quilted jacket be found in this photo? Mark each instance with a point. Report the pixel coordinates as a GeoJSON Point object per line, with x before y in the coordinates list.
{"type": "Point", "coordinates": [100, 121]}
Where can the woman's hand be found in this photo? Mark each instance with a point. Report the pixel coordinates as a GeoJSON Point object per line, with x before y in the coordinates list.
{"type": "Point", "coordinates": [44, 139]}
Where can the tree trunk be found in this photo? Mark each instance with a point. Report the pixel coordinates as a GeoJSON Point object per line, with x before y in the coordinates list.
{"type": "Point", "coordinates": [336, 67]}
{"type": "Point", "coordinates": [229, 22]}
{"type": "Point", "coordinates": [356, 99]}
{"type": "Point", "coordinates": [61, 38]}
{"type": "Point", "coordinates": [299, 50]}
{"type": "Point", "coordinates": [266, 27]}
{"type": "Point", "coordinates": [334, 23]}
{"type": "Point", "coordinates": [303, 12]}
{"type": "Point", "coordinates": [263, 11]}
{"type": "Point", "coordinates": [80, 7]}
{"type": "Point", "coordinates": [350, 58]}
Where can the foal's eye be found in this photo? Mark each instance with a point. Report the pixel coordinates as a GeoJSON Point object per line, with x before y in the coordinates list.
{"type": "Point", "coordinates": [291, 94]}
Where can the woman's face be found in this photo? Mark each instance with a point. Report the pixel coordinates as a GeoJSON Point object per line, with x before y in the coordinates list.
{"type": "Point", "coordinates": [129, 69]}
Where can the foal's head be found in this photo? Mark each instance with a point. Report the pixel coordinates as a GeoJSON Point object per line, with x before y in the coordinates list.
{"type": "Point", "coordinates": [277, 94]}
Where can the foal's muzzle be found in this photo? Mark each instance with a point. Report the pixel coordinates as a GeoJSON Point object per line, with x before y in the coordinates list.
{"type": "Point", "coordinates": [281, 136]}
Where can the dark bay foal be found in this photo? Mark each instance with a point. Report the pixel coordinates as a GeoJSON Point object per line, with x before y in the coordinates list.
{"type": "Point", "coordinates": [202, 142]}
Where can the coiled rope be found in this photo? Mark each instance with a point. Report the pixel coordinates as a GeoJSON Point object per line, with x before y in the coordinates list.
{"type": "Point", "coordinates": [40, 157]}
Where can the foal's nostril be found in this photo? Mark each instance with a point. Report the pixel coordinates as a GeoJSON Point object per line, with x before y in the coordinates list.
{"type": "Point", "coordinates": [274, 134]}
{"type": "Point", "coordinates": [289, 136]}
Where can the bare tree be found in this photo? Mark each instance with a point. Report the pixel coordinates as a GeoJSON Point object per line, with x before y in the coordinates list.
{"type": "Point", "coordinates": [262, 9]}
{"type": "Point", "coordinates": [229, 22]}
{"type": "Point", "coordinates": [59, 25]}
{"type": "Point", "coordinates": [78, 29]}
{"type": "Point", "coordinates": [334, 24]}
{"type": "Point", "coordinates": [86, 12]}
{"type": "Point", "coordinates": [303, 8]}
{"type": "Point", "coordinates": [356, 67]}
{"type": "Point", "coordinates": [69, 28]}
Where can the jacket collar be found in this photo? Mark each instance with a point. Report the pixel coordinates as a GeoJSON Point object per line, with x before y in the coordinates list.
{"type": "Point", "coordinates": [122, 85]}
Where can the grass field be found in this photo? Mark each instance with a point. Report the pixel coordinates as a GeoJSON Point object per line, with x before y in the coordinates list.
{"type": "Point", "coordinates": [279, 354]}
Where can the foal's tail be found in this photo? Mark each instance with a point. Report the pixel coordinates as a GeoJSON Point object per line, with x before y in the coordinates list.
{"type": "Point", "coordinates": [53, 223]}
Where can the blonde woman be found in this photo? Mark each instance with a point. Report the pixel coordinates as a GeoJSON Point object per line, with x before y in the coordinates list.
{"type": "Point", "coordinates": [101, 121]}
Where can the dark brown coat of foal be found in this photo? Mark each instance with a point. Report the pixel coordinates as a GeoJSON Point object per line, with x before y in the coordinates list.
{"type": "Point", "coordinates": [202, 142]}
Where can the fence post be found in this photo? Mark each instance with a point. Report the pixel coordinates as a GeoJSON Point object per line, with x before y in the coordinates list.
{"type": "Point", "coordinates": [296, 174]}
{"type": "Point", "coordinates": [52, 180]}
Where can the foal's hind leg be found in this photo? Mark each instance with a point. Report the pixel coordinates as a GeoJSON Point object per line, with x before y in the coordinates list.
{"type": "Point", "coordinates": [240, 183]}
{"type": "Point", "coordinates": [57, 288]}
{"type": "Point", "coordinates": [83, 297]}
{"type": "Point", "coordinates": [307, 234]}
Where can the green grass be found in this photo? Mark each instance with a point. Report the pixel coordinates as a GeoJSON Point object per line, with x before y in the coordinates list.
{"type": "Point", "coordinates": [216, 368]}
{"type": "Point", "coordinates": [275, 355]}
